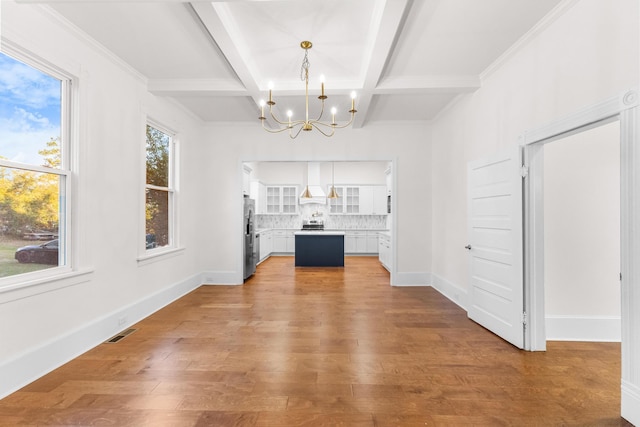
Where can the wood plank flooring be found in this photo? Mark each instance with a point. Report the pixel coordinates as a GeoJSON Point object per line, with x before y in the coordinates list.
{"type": "Point", "coordinates": [322, 347]}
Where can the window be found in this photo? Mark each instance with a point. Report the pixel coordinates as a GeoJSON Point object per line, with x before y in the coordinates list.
{"type": "Point", "coordinates": [34, 170]}
{"type": "Point", "coordinates": [159, 189]}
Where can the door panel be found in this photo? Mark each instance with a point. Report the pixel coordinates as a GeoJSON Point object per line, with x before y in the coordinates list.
{"type": "Point", "coordinates": [495, 251]}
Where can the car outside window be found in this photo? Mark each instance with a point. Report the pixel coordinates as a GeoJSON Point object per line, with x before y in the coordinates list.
{"type": "Point", "coordinates": [34, 173]}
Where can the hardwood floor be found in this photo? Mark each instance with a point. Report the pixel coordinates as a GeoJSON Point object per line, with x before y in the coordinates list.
{"type": "Point", "coordinates": [322, 347]}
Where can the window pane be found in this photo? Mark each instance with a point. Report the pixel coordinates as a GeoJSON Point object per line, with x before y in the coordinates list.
{"type": "Point", "coordinates": [30, 111]}
{"type": "Point", "coordinates": [157, 218]}
{"type": "Point", "coordinates": [157, 157]}
{"type": "Point", "coordinates": [29, 221]}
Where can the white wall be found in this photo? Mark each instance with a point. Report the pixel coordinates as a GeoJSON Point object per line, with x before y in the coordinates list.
{"type": "Point", "coordinates": [405, 144]}
{"type": "Point", "coordinates": [582, 223]}
{"type": "Point", "coordinates": [44, 324]}
{"type": "Point", "coordinates": [364, 173]}
{"type": "Point", "coordinates": [586, 55]}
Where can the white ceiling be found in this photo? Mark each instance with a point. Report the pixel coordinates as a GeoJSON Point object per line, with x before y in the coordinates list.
{"type": "Point", "coordinates": [406, 59]}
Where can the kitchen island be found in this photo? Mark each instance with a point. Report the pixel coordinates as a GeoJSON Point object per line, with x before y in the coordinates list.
{"type": "Point", "coordinates": [319, 248]}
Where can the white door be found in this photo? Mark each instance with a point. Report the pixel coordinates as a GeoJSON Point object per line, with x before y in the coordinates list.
{"type": "Point", "coordinates": [495, 245]}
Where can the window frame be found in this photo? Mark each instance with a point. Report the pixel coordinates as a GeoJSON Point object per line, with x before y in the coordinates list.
{"type": "Point", "coordinates": [172, 192]}
{"type": "Point", "coordinates": [68, 119]}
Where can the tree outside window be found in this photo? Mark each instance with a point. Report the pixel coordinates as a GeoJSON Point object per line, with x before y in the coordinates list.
{"type": "Point", "coordinates": [33, 174]}
{"type": "Point", "coordinates": [159, 189]}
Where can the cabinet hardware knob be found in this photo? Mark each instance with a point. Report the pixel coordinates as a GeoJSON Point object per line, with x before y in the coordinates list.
{"type": "Point", "coordinates": [468, 247]}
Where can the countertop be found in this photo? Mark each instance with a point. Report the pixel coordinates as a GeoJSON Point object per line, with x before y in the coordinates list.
{"type": "Point", "coordinates": [318, 233]}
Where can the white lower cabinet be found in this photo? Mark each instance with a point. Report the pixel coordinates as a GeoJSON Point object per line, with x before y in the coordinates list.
{"type": "Point", "coordinates": [279, 241]}
{"type": "Point", "coordinates": [384, 250]}
{"type": "Point", "coordinates": [284, 241]}
{"type": "Point", "coordinates": [361, 242]}
{"type": "Point", "coordinates": [266, 244]}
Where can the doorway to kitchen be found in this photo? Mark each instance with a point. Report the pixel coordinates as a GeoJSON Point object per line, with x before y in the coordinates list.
{"type": "Point", "coordinates": [362, 210]}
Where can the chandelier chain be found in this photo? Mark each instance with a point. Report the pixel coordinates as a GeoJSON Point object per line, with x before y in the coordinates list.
{"type": "Point", "coordinates": [304, 70]}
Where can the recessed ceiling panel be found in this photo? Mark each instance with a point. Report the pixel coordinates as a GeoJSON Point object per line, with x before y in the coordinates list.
{"type": "Point", "coordinates": [161, 40]}
{"type": "Point", "coordinates": [418, 107]}
{"type": "Point", "coordinates": [461, 37]}
{"type": "Point", "coordinates": [269, 35]}
{"type": "Point", "coordinates": [222, 109]}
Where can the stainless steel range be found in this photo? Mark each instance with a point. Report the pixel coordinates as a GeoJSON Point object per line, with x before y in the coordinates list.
{"type": "Point", "coordinates": [313, 224]}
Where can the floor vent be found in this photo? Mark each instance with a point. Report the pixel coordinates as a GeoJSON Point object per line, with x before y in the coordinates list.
{"type": "Point", "coordinates": [121, 335]}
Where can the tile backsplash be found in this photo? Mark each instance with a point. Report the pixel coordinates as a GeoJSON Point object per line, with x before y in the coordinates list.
{"type": "Point", "coordinates": [314, 211]}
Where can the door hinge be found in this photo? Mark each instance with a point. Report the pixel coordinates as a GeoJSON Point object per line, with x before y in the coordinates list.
{"type": "Point", "coordinates": [524, 318]}
{"type": "Point", "coordinates": [524, 171]}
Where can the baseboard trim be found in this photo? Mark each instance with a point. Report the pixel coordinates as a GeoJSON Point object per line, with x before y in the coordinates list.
{"type": "Point", "coordinates": [412, 279]}
{"type": "Point", "coordinates": [221, 278]}
{"type": "Point", "coordinates": [450, 290]}
{"type": "Point", "coordinates": [630, 402]}
{"type": "Point", "coordinates": [583, 328]}
{"type": "Point", "coordinates": [33, 364]}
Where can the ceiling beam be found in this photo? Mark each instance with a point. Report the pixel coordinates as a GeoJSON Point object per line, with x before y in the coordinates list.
{"type": "Point", "coordinates": [219, 22]}
{"type": "Point", "coordinates": [427, 84]}
{"type": "Point", "coordinates": [385, 26]}
{"type": "Point", "coordinates": [196, 87]}
{"type": "Point", "coordinates": [137, 1]}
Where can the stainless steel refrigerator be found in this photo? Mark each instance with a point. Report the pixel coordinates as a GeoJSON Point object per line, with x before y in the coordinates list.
{"type": "Point", "coordinates": [249, 238]}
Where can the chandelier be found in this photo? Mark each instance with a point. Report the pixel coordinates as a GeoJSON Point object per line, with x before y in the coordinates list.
{"type": "Point", "coordinates": [295, 126]}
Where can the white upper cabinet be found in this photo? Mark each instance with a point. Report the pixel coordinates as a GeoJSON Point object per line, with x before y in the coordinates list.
{"type": "Point", "coordinates": [258, 192]}
{"type": "Point", "coordinates": [360, 200]}
{"type": "Point", "coordinates": [281, 199]}
{"type": "Point", "coordinates": [246, 180]}
{"type": "Point", "coordinates": [373, 200]}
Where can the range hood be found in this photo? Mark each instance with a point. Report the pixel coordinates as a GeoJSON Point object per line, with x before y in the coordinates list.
{"type": "Point", "coordinates": [313, 184]}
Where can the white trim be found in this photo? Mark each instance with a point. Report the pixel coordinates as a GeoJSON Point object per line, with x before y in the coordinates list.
{"type": "Point", "coordinates": [41, 285]}
{"type": "Point", "coordinates": [625, 108]}
{"type": "Point", "coordinates": [222, 278]}
{"type": "Point", "coordinates": [92, 43]}
{"type": "Point", "coordinates": [412, 279]}
{"type": "Point", "coordinates": [36, 362]}
{"type": "Point", "coordinates": [630, 402]}
{"type": "Point", "coordinates": [452, 291]}
{"type": "Point", "coordinates": [630, 253]}
{"type": "Point", "coordinates": [583, 328]}
{"type": "Point", "coordinates": [159, 254]}
{"type": "Point", "coordinates": [538, 28]}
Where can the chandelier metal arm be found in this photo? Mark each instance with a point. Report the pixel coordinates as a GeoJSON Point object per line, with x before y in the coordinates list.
{"type": "Point", "coordinates": [319, 129]}
{"type": "Point", "coordinates": [306, 124]}
{"type": "Point", "coordinates": [297, 133]}
{"type": "Point", "coordinates": [273, 130]}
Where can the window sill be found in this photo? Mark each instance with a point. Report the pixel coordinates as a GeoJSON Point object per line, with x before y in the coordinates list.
{"type": "Point", "coordinates": [29, 288]}
{"type": "Point", "coordinates": [159, 255]}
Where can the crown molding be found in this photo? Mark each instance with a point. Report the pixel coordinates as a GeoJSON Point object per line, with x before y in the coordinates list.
{"type": "Point", "coordinates": [92, 43]}
{"type": "Point", "coordinates": [542, 25]}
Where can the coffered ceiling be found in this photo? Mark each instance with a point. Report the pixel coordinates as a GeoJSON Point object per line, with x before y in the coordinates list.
{"type": "Point", "coordinates": [406, 59]}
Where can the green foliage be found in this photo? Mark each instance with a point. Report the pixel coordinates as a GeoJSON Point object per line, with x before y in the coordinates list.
{"type": "Point", "coordinates": [30, 200]}
{"type": "Point", "coordinates": [157, 157]}
{"type": "Point", "coordinates": [156, 208]}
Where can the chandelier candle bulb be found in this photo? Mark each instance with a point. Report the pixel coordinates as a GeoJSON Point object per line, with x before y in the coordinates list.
{"type": "Point", "coordinates": [322, 87]}
{"type": "Point", "coordinates": [270, 91]}
{"type": "Point", "coordinates": [333, 116]}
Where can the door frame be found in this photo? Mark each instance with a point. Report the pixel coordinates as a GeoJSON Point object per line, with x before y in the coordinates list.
{"type": "Point", "coordinates": [625, 109]}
